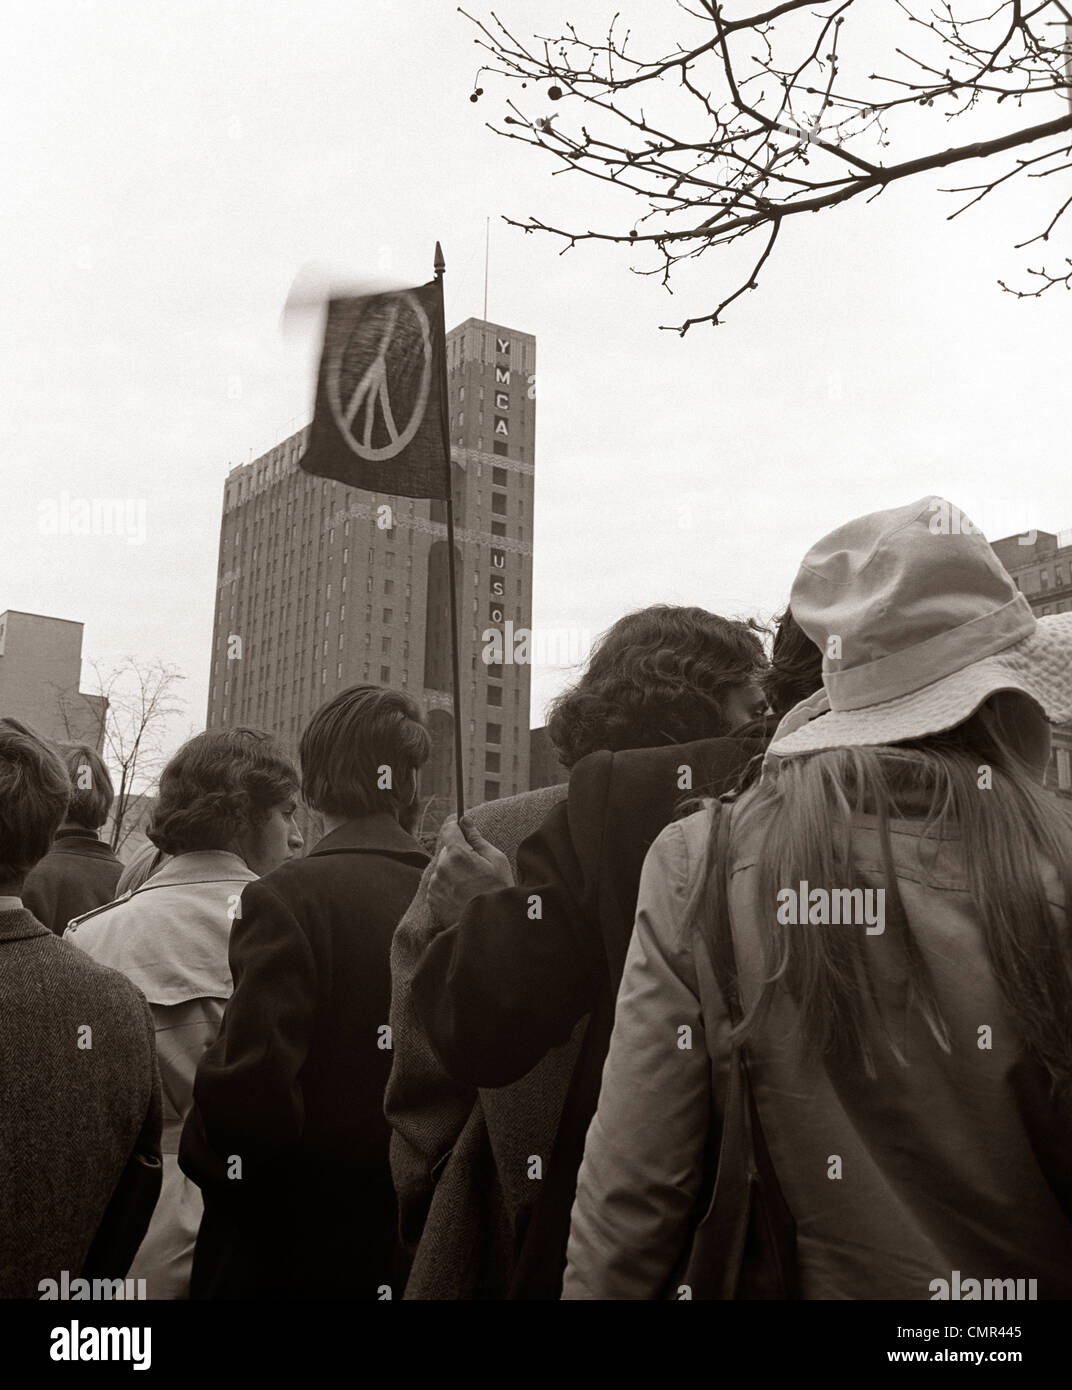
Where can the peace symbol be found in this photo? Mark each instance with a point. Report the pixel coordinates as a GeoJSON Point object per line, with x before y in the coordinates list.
{"type": "Point", "coordinates": [356, 408]}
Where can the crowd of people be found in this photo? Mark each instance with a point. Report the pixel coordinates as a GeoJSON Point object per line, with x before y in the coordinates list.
{"type": "Point", "coordinates": [771, 999]}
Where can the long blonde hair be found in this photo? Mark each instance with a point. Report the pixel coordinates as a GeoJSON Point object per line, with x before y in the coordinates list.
{"type": "Point", "coordinates": [1007, 831]}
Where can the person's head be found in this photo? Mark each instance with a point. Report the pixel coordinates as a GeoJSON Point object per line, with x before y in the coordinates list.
{"type": "Point", "coordinates": [234, 790]}
{"type": "Point", "coordinates": [941, 685]}
{"type": "Point", "coordinates": [92, 792]}
{"type": "Point", "coordinates": [661, 675]}
{"type": "Point", "coordinates": [34, 792]}
{"type": "Point", "coordinates": [361, 755]}
{"type": "Point", "coordinates": [796, 667]}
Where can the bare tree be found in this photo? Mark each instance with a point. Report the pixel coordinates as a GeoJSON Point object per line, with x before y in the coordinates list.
{"type": "Point", "coordinates": [135, 703]}
{"type": "Point", "coordinates": [753, 120]}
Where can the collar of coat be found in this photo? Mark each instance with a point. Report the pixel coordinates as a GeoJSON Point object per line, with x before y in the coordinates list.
{"type": "Point", "coordinates": [378, 834]}
{"type": "Point", "coordinates": [76, 839]}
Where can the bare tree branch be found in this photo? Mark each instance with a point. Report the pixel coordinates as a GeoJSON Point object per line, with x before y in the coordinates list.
{"type": "Point", "coordinates": [744, 123]}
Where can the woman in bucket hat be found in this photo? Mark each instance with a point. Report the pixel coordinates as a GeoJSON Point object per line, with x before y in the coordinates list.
{"type": "Point", "coordinates": [864, 966]}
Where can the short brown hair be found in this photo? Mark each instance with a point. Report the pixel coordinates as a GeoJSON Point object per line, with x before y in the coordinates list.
{"type": "Point", "coordinates": [34, 792]}
{"type": "Point", "coordinates": [350, 740]}
{"type": "Point", "coordinates": [218, 785]}
{"type": "Point", "coordinates": [89, 805]}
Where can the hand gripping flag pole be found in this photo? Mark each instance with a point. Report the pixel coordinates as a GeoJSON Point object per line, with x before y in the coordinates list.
{"type": "Point", "coordinates": [444, 422]}
{"type": "Point", "coordinates": [382, 419]}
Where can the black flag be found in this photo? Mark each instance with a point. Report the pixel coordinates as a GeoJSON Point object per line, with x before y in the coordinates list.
{"type": "Point", "coordinates": [378, 423]}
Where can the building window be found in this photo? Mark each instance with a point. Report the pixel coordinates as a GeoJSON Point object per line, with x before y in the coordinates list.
{"type": "Point", "coordinates": [498, 528]}
{"type": "Point", "coordinates": [388, 586]}
{"type": "Point", "coordinates": [385, 675]}
{"type": "Point", "coordinates": [492, 762]}
{"type": "Point", "coordinates": [494, 694]}
{"type": "Point", "coordinates": [388, 615]}
{"type": "Point", "coordinates": [385, 646]}
{"type": "Point", "coordinates": [495, 671]}
{"type": "Point", "coordinates": [1044, 578]}
{"type": "Point", "coordinates": [338, 672]}
{"type": "Point", "coordinates": [494, 733]}
{"type": "Point", "coordinates": [491, 791]}
{"type": "Point", "coordinates": [498, 503]}
{"type": "Point", "coordinates": [498, 447]}
{"type": "Point", "coordinates": [498, 476]}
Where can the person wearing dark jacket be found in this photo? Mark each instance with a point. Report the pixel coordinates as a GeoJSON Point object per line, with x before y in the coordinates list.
{"type": "Point", "coordinates": [460, 1155]}
{"type": "Point", "coordinates": [287, 1137]}
{"type": "Point", "coordinates": [79, 1090]}
{"type": "Point", "coordinates": [510, 979]}
{"type": "Point", "coordinates": [79, 872]}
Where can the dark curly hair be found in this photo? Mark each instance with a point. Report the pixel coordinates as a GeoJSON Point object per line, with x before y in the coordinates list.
{"type": "Point", "coordinates": [796, 669]}
{"type": "Point", "coordinates": [218, 785]}
{"type": "Point", "coordinates": [657, 676]}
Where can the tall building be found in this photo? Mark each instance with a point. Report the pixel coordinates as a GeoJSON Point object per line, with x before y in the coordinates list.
{"type": "Point", "coordinates": [1043, 574]}
{"type": "Point", "coordinates": [321, 586]}
{"type": "Point", "coordinates": [40, 675]}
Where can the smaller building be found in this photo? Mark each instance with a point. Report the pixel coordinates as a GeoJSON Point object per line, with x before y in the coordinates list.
{"type": "Point", "coordinates": [1040, 563]}
{"type": "Point", "coordinates": [40, 678]}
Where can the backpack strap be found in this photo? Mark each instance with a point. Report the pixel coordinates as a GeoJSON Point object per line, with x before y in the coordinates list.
{"type": "Point", "coordinates": [745, 1243]}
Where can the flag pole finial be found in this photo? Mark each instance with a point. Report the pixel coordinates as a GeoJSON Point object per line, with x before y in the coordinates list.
{"type": "Point", "coordinates": [440, 263]}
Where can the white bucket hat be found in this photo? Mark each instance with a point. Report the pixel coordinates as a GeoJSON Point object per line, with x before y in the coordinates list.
{"type": "Point", "coordinates": [919, 623]}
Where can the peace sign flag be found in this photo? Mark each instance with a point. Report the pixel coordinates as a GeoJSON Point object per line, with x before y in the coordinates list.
{"type": "Point", "coordinates": [379, 395]}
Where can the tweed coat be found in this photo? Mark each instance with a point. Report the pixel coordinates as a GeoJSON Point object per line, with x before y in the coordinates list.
{"type": "Point", "coordinates": [79, 1090]}
{"type": "Point", "coordinates": [459, 1154]}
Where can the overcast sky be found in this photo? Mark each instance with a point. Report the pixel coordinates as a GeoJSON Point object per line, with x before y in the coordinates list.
{"type": "Point", "coordinates": [170, 167]}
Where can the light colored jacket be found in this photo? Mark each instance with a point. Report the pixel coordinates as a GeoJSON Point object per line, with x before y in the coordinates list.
{"type": "Point", "coordinates": [170, 937]}
{"type": "Point", "coordinates": [894, 1183]}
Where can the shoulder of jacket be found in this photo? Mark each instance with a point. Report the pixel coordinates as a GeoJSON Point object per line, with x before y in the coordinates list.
{"type": "Point", "coordinates": [683, 842]}
{"type": "Point", "coordinates": [119, 902]}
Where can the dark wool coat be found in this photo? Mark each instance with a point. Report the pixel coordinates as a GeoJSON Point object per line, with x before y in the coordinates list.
{"type": "Point", "coordinates": [293, 1086]}
{"type": "Point", "coordinates": [499, 990]}
{"type": "Point", "coordinates": [459, 1154]}
{"type": "Point", "coordinates": [78, 1090]}
{"type": "Point", "coordinates": [78, 873]}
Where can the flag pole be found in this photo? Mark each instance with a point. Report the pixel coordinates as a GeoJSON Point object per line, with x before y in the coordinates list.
{"type": "Point", "coordinates": [444, 416]}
